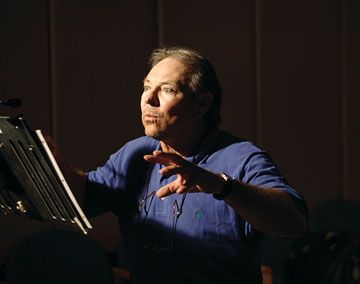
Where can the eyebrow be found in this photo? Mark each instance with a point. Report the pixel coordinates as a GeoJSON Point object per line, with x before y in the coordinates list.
{"type": "Point", "coordinates": [161, 83]}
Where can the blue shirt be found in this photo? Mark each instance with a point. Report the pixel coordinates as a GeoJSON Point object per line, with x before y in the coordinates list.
{"type": "Point", "coordinates": [185, 238]}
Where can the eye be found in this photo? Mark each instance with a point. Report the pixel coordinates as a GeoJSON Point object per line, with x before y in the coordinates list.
{"type": "Point", "coordinates": [146, 88]}
{"type": "Point", "coordinates": [168, 90]}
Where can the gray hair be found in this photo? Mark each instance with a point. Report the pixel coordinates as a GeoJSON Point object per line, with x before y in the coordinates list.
{"type": "Point", "coordinates": [200, 78]}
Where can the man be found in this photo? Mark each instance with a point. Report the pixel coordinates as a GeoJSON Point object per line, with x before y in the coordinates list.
{"type": "Point", "coordinates": [193, 202]}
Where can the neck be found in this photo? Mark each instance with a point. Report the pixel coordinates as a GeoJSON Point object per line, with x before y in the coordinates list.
{"type": "Point", "coordinates": [186, 145]}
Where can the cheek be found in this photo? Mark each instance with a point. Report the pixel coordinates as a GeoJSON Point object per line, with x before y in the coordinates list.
{"type": "Point", "coordinates": [183, 110]}
{"type": "Point", "coordinates": [173, 110]}
{"type": "Point", "coordinates": [172, 113]}
{"type": "Point", "coordinates": [142, 101]}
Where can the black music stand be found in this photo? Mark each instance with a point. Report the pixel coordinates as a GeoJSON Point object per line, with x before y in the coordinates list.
{"type": "Point", "coordinates": [31, 183]}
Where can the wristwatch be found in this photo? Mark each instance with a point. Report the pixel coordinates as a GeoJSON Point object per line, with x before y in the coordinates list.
{"type": "Point", "coordinates": [229, 183]}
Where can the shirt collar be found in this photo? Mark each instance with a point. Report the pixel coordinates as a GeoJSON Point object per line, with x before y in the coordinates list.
{"type": "Point", "coordinates": [203, 150]}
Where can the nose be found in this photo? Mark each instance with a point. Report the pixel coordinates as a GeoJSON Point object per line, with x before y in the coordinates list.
{"type": "Point", "coordinates": [151, 97]}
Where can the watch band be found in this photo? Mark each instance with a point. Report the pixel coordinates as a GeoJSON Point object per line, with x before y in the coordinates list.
{"type": "Point", "coordinates": [229, 183]}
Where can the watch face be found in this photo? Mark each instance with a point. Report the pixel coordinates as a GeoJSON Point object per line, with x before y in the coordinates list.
{"type": "Point", "coordinates": [226, 188]}
{"type": "Point", "coordinates": [225, 176]}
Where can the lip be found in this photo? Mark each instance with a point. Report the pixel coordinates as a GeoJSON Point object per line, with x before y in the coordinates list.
{"type": "Point", "coordinates": [148, 116]}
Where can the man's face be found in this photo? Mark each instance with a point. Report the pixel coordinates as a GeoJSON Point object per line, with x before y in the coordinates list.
{"type": "Point", "coordinates": [167, 112]}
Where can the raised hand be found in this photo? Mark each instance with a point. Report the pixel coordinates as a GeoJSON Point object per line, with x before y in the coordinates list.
{"type": "Point", "coordinates": [190, 177]}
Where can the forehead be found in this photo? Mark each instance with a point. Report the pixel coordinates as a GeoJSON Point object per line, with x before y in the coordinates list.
{"type": "Point", "coordinates": [168, 70]}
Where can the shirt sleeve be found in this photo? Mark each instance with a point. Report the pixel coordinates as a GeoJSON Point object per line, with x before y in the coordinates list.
{"type": "Point", "coordinates": [103, 187]}
{"type": "Point", "coordinates": [260, 170]}
{"type": "Point", "coordinates": [113, 187]}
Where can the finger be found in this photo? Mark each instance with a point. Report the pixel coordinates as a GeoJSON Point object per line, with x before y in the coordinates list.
{"type": "Point", "coordinates": [157, 157]}
{"type": "Point", "coordinates": [172, 187]}
{"type": "Point", "coordinates": [185, 180]}
{"type": "Point", "coordinates": [187, 175]}
{"type": "Point", "coordinates": [166, 190]}
{"type": "Point", "coordinates": [169, 190]}
{"type": "Point", "coordinates": [180, 185]}
{"type": "Point", "coordinates": [173, 169]}
{"type": "Point", "coordinates": [165, 158]}
{"type": "Point", "coordinates": [182, 189]}
{"type": "Point", "coordinates": [186, 189]}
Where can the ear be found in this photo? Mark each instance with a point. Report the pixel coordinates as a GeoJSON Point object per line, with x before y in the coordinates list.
{"type": "Point", "coordinates": [205, 101]}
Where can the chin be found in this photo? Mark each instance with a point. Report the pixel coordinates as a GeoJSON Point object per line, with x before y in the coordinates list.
{"type": "Point", "coordinates": [156, 134]}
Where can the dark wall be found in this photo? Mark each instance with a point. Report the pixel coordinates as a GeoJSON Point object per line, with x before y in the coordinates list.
{"type": "Point", "coordinates": [289, 72]}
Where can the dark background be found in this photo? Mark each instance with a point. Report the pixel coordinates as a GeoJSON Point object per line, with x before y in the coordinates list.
{"type": "Point", "coordinates": [290, 72]}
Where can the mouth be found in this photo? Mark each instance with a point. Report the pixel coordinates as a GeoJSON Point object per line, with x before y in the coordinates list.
{"type": "Point", "coordinates": [150, 116]}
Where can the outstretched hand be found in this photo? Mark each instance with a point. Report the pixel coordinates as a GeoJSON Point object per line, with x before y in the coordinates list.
{"type": "Point", "coordinates": [190, 177]}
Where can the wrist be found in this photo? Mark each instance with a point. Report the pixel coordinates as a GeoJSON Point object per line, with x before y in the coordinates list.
{"type": "Point", "coordinates": [227, 185]}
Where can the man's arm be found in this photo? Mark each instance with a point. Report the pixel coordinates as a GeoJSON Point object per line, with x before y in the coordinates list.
{"type": "Point", "coordinates": [269, 210]}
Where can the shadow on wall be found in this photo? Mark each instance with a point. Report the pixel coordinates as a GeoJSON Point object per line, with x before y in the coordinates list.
{"type": "Point", "coordinates": [339, 215]}
{"type": "Point", "coordinates": [332, 245]}
{"type": "Point", "coordinates": [58, 257]}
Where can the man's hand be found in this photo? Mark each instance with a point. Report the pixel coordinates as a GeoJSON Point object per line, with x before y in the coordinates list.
{"type": "Point", "coordinates": [190, 177]}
